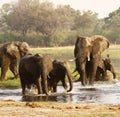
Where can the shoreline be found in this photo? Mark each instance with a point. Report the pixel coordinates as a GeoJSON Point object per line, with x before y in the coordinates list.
{"type": "Point", "coordinates": [55, 109]}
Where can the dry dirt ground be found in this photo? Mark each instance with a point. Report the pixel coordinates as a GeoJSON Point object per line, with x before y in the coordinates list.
{"type": "Point", "coordinates": [11, 108]}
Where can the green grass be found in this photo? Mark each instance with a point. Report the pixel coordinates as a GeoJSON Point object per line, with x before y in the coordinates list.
{"type": "Point", "coordinates": [10, 82]}
{"type": "Point", "coordinates": [113, 52]}
{"type": "Point", "coordinates": [61, 53]}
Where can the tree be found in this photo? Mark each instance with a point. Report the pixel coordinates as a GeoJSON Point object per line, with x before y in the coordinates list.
{"type": "Point", "coordinates": [51, 19]}
{"type": "Point", "coordinates": [46, 22]}
{"type": "Point", "coordinates": [3, 12]}
{"type": "Point", "coordinates": [86, 22]}
{"type": "Point", "coordinates": [112, 26]}
{"type": "Point", "coordinates": [22, 15]}
{"type": "Point", "coordinates": [66, 16]}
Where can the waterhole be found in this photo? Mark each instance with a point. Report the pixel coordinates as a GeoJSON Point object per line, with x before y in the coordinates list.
{"type": "Point", "coordinates": [102, 93]}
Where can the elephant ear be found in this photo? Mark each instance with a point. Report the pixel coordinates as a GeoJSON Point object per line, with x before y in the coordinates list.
{"type": "Point", "coordinates": [23, 48]}
{"type": "Point", "coordinates": [99, 44]}
{"type": "Point", "coordinates": [81, 44]}
{"type": "Point", "coordinates": [77, 44]}
{"type": "Point", "coordinates": [12, 50]}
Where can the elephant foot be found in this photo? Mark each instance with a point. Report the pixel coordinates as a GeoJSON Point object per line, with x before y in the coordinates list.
{"type": "Point", "coordinates": [84, 85]}
{"type": "Point", "coordinates": [23, 93]}
{"type": "Point", "coordinates": [45, 92]}
{"type": "Point", "coordinates": [91, 84]}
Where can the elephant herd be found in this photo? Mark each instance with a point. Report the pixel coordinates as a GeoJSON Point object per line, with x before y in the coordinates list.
{"type": "Point", "coordinates": [45, 73]}
{"type": "Point", "coordinates": [88, 58]}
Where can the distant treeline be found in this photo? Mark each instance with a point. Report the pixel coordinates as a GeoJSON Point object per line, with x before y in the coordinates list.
{"type": "Point", "coordinates": [43, 24]}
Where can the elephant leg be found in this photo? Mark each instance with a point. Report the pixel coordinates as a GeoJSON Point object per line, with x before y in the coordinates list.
{"type": "Point", "coordinates": [83, 78]}
{"type": "Point", "coordinates": [83, 75]}
{"type": "Point", "coordinates": [50, 84]}
{"type": "Point", "coordinates": [14, 70]}
{"type": "Point", "coordinates": [23, 85]}
{"type": "Point", "coordinates": [23, 88]}
{"type": "Point", "coordinates": [99, 72]}
{"type": "Point", "coordinates": [94, 66]}
{"type": "Point", "coordinates": [103, 73]}
{"type": "Point", "coordinates": [44, 83]}
{"type": "Point", "coordinates": [39, 86]}
{"type": "Point", "coordinates": [64, 84]}
{"type": "Point", "coordinates": [45, 87]}
{"type": "Point", "coordinates": [4, 69]}
{"type": "Point", "coordinates": [55, 87]}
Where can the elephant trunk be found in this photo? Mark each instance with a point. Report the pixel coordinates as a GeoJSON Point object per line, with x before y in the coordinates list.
{"type": "Point", "coordinates": [113, 71]}
{"type": "Point", "coordinates": [114, 75]}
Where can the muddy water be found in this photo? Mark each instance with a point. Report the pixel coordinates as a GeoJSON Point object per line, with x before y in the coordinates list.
{"type": "Point", "coordinates": [103, 93]}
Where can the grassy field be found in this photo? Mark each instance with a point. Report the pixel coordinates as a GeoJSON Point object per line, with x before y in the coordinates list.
{"type": "Point", "coordinates": [61, 53]}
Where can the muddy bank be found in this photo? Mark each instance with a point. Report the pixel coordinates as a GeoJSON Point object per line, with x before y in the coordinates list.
{"type": "Point", "coordinates": [54, 109]}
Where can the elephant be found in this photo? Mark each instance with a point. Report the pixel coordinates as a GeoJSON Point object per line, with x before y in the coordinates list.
{"type": "Point", "coordinates": [34, 69]}
{"type": "Point", "coordinates": [87, 53]}
{"type": "Point", "coordinates": [59, 72]}
{"type": "Point", "coordinates": [10, 54]}
{"type": "Point", "coordinates": [104, 65]}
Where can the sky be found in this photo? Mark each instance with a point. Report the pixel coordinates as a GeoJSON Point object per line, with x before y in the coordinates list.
{"type": "Point", "coordinates": [102, 7]}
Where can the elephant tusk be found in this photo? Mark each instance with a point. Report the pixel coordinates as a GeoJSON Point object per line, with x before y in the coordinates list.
{"type": "Point", "coordinates": [88, 58]}
{"type": "Point", "coordinates": [71, 60]}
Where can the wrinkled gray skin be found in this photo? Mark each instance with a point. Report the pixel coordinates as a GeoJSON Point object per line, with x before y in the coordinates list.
{"type": "Point", "coordinates": [10, 54]}
{"type": "Point", "coordinates": [34, 69]}
{"type": "Point", "coordinates": [61, 69]}
{"type": "Point", "coordinates": [104, 65]}
{"type": "Point", "coordinates": [87, 53]}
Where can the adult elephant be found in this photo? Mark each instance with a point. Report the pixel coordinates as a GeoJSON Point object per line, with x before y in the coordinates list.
{"type": "Point", "coordinates": [34, 69]}
{"type": "Point", "coordinates": [87, 53]}
{"type": "Point", "coordinates": [10, 54]}
{"type": "Point", "coordinates": [59, 72]}
{"type": "Point", "coordinates": [104, 65]}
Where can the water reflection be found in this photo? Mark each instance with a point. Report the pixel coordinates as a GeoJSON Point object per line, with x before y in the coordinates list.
{"type": "Point", "coordinates": [33, 98]}
{"type": "Point", "coordinates": [60, 97]}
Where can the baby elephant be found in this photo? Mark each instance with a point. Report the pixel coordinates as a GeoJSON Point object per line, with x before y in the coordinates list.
{"type": "Point", "coordinates": [104, 65]}
{"type": "Point", "coordinates": [34, 69]}
{"type": "Point", "coordinates": [59, 72]}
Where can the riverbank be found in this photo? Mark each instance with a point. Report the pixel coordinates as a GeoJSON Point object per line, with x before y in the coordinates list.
{"type": "Point", "coordinates": [54, 109]}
